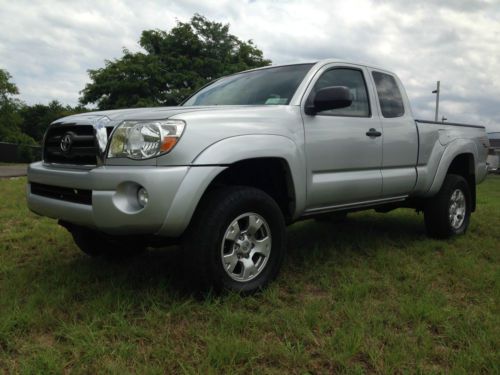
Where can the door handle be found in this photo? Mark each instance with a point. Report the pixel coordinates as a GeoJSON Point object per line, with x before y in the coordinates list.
{"type": "Point", "coordinates": [373, 133]}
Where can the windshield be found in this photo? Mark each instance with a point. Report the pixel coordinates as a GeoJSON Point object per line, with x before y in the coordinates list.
{"type": "Point", "coordinates": [271, 86]}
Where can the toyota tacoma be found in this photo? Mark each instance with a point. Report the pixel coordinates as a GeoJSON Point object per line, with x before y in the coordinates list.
{"type": "Point", "coordinates": [245, 156]}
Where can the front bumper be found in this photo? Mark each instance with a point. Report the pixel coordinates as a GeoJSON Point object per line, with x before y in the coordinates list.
{"type": "Point", "coordinates": [113, 208]}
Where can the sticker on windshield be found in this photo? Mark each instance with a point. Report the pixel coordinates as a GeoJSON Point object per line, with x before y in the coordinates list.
{"type": "Point", "coordinates": [276, 101]}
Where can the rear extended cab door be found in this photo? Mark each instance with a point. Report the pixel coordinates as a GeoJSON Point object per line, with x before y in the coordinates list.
{"type": "Point", "coordinates": [400, 135]}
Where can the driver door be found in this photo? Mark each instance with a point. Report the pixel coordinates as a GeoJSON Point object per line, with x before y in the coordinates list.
{"type": "Point", "coordinates": [343, 162]}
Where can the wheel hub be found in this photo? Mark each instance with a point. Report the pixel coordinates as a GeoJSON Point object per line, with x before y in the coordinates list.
{"type": "Point", "coordinates": [246, 247]}
{"type": "Point", "coordinates": [243, 245]}
{"type": "Point", "coordinates": [456, 212]}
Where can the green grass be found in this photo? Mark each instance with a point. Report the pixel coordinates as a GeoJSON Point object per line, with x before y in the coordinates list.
{"type": "Point", "coordinates": [372, 295]}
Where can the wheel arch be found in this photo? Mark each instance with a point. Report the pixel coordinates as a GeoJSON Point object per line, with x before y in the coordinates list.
{"type": "Point", "coordinates": [272, 163]}
{"type": "Point", "coordinates": [278, 157]}
{"type": "Point", "coordinates": [269, 174]}
{"type": "Point", "coordinates": [460, 159]}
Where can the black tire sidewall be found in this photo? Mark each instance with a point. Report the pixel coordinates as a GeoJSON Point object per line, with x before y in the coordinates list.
{"type": "Point", "coordinates": [437, 209]}
{"type": "Point", "coordinates": [222, 209]}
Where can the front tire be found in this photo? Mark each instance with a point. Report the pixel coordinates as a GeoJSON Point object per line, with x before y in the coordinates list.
{"type": "Point", "coordinates": [236, 240]}
{"type": "Point", "coordinates": [448, 213]}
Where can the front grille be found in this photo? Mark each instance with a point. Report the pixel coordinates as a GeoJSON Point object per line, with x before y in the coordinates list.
{"type": "Point", "coordinates": [81, 196]}
{"type": "Point", "coordinates": [82, 150]}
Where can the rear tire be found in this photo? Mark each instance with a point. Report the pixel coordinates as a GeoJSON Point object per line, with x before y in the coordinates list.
{"type": "Point", "coordinates": [448, 213]}
{"type": "Point", "coordinates": [236, 240]}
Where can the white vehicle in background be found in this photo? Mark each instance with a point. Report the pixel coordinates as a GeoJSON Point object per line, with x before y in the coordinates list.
{"type": "Point", "coordinates": [494, 154]}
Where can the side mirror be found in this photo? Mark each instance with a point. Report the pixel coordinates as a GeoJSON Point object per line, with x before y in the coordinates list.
{"type": "Point", "coordinates": [332, 97]}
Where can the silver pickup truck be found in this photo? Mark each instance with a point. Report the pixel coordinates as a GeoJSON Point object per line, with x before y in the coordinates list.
{"type": "Point", "coordinates": [246, 155]}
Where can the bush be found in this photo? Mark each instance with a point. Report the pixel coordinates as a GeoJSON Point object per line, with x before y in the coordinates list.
{"type": "Point", "coordinates": [28, 154]}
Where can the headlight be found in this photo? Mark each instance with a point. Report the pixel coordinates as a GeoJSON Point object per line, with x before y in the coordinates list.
{"type": "Point", "coordinates": [145, 139]}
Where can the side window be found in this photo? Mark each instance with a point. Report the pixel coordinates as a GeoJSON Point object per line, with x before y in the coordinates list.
{"type": "Point", "coordinates": [389, 96]}
{"type": "Point", "coordinates": [354, 81]}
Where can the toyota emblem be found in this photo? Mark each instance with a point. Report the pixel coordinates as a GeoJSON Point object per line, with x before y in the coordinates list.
{"type": "Point", "coordinates": [66, 142]}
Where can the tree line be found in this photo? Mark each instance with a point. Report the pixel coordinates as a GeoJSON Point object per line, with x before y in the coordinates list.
{"type": "Point", "coordinates": [21, 123]}
{"type": "Point", "coordinates": [171, 66]}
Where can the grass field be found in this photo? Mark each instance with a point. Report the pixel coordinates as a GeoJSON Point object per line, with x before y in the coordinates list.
{"type": "Point", "coordinates": [372, 295]}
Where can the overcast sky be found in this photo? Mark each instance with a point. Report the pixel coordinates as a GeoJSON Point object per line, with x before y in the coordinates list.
{"type": "Point", "coordinates": [47, 46]}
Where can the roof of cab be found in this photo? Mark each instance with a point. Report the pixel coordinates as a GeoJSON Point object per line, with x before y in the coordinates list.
{"type": "Point", "coordinates": [324, 62]}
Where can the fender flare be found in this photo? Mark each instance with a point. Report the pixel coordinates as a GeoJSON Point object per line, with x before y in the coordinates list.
{"type": "Point", "coordinates": [454, 149]}
{"type": "Point", "coordinates": [243, 147]}
{"type": "Point", "coordinates": [208, 164]}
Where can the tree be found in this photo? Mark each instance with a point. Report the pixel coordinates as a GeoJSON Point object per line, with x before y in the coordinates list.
{"type": "Point", "coordinates": [37, 118]}
{"type": "Point", "coordinates": [7, 88]}
{"type": "Point", "coordinates": [10, 119]}
{"type": "Point", "coordinates": [23, 124]}
{"type": "Point", "coordinates": [174, 64]}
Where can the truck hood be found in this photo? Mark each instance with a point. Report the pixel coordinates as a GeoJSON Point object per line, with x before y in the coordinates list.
{"type": "Point", "coordinates": [151, 113]}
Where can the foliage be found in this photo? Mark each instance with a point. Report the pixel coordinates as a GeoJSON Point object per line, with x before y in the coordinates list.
{"type": "Point", "coordinates": [26, 153]}
{"type": "Point", "coordinates": [36, 118]}
{"type": "Point", "coordinates": [7, 88]}
{"type": "Point", "coordinates": [174, 64]}
{"type": "Point", "coordinates": [10, 119]}
{"type": "Point", "coordinates": [24, 124]}
{"type": "Point", "coordinates": [371, 295]}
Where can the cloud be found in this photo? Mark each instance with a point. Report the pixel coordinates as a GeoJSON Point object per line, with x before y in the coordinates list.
{"type": "Point", "coordinates": [48, 46]}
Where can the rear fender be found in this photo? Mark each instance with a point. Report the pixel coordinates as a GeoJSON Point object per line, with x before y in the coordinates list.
{"type": "Point", "coordinates": [454, 149]}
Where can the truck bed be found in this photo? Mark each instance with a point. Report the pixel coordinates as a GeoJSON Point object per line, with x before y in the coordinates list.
{"type": "Point", "coordinates": [436, 138]}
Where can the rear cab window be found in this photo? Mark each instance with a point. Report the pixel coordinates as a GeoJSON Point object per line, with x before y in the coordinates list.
{"type": "Point", "coordinates": [389, 96]}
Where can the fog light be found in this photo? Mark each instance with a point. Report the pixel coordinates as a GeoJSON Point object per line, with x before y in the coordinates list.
{"type": "Point", "coordinates": [142, 197]}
